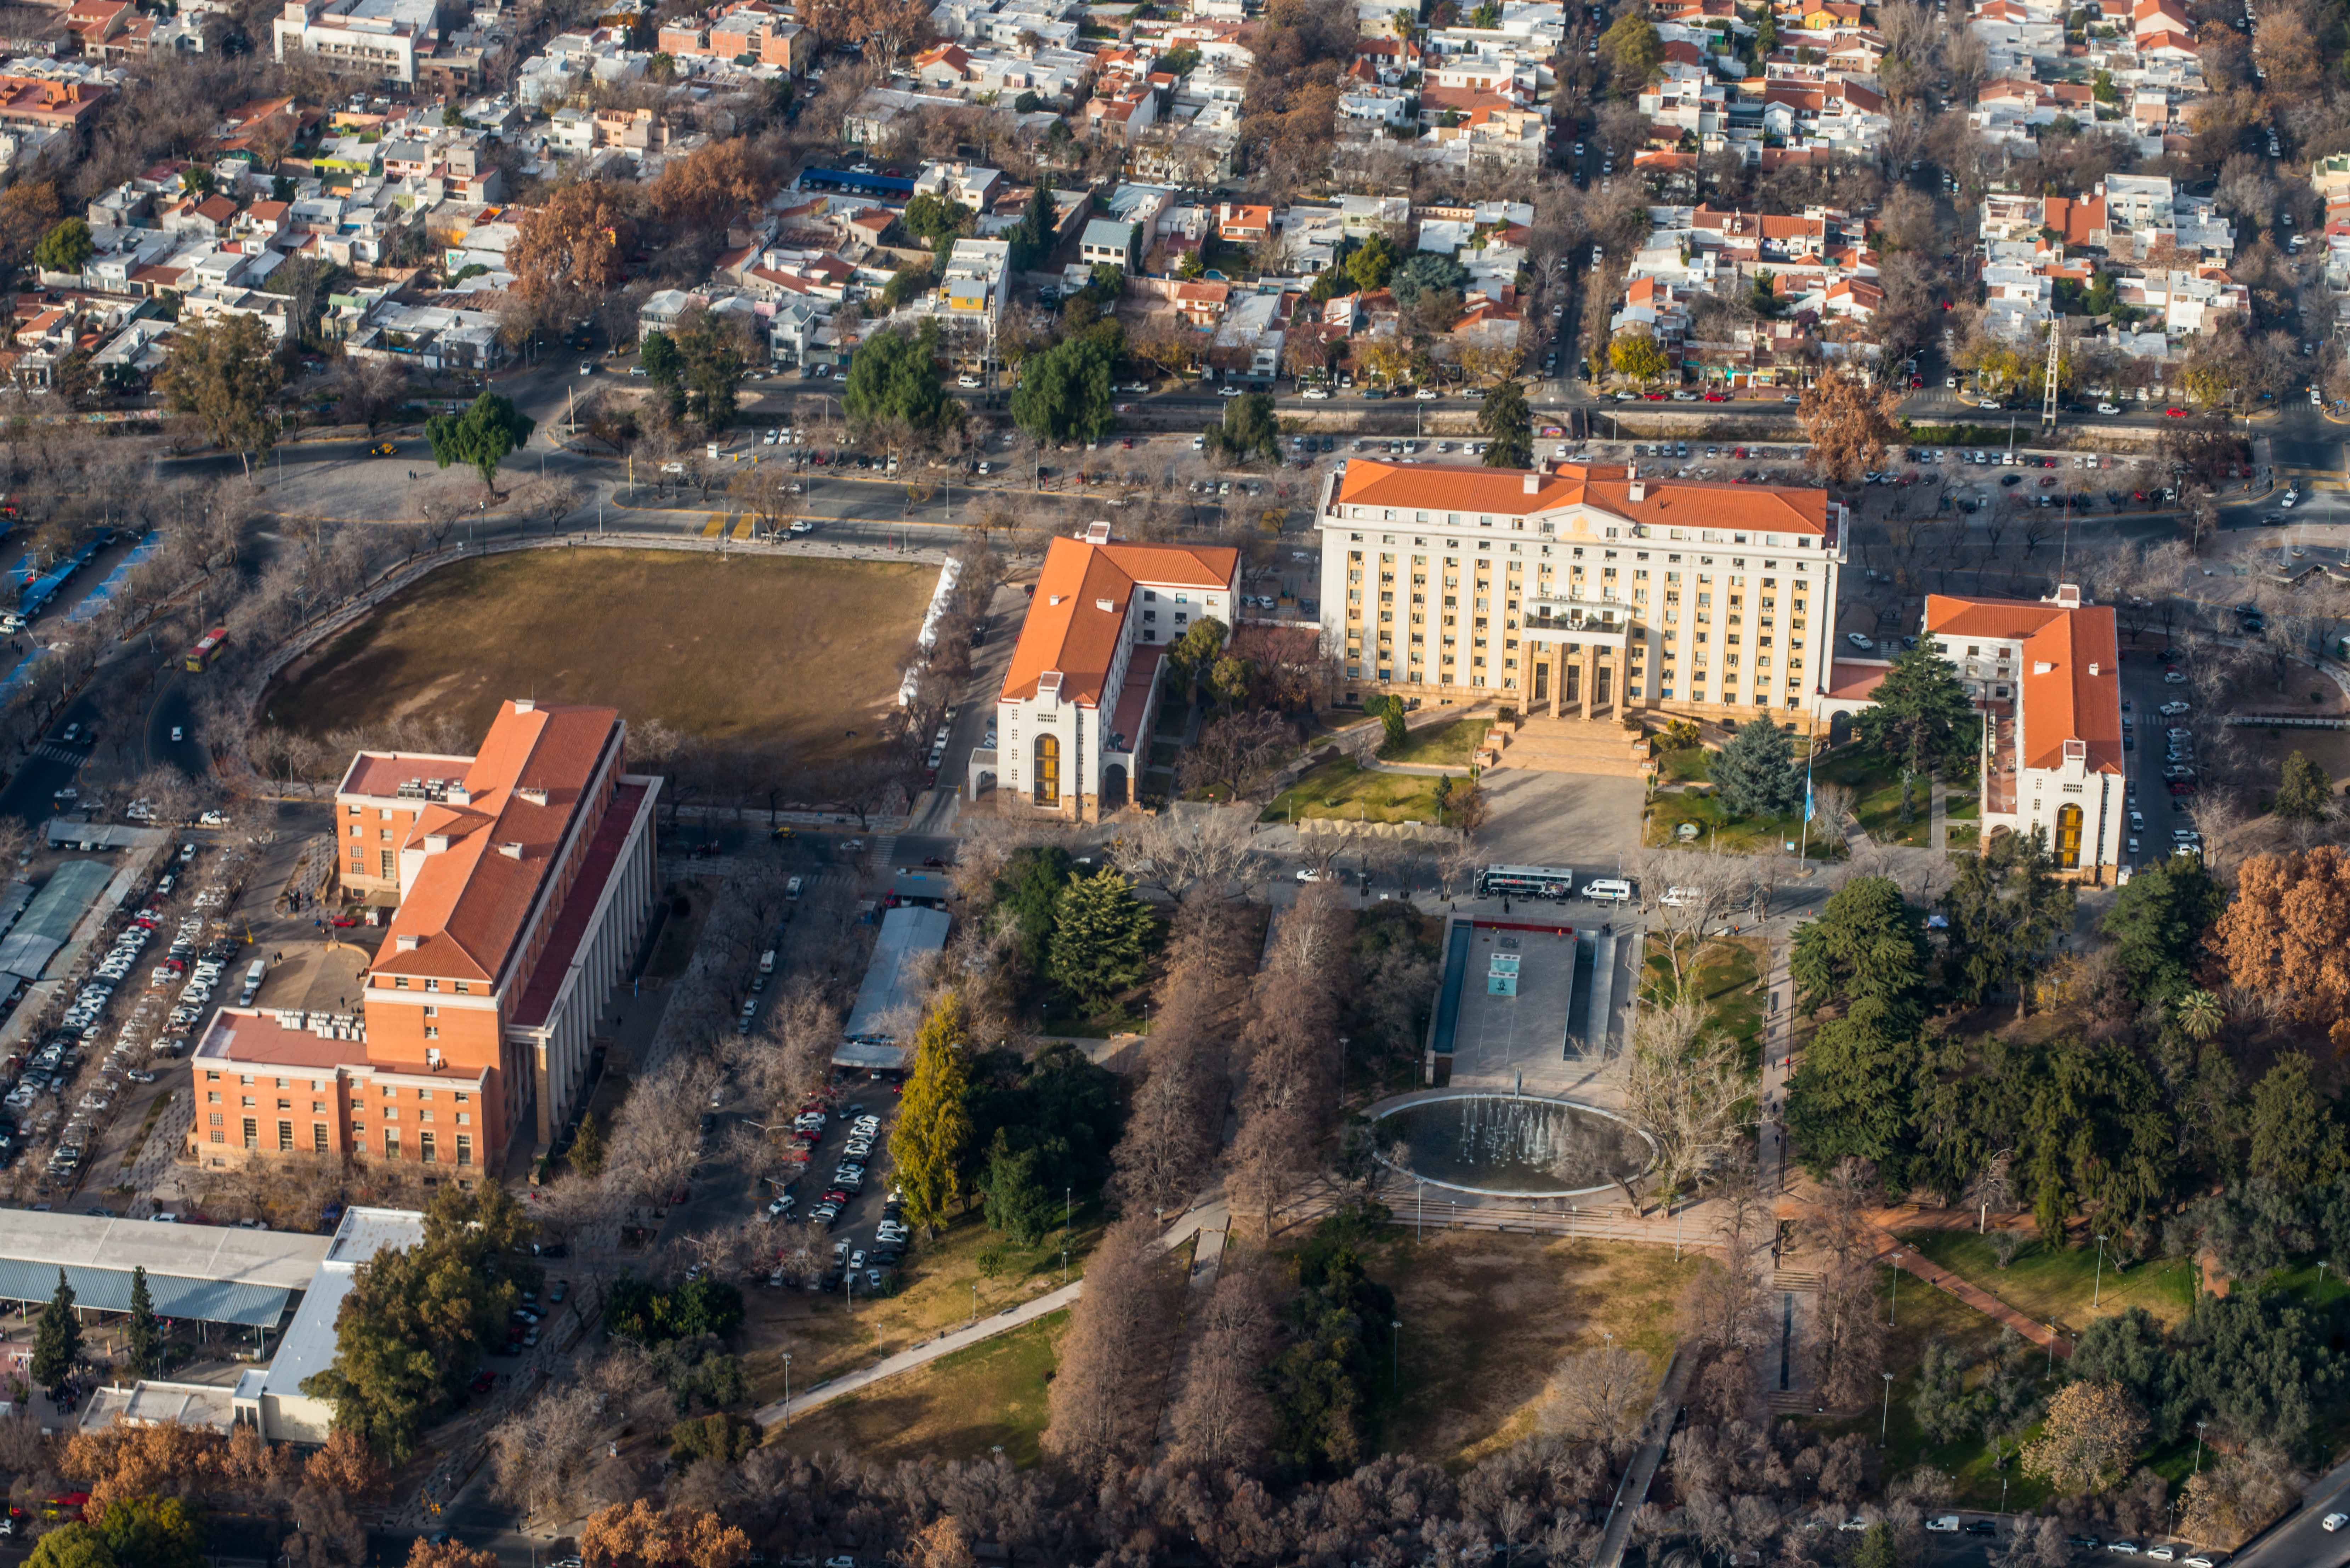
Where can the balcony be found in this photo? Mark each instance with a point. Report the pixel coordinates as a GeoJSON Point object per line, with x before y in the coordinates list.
{"type": "Point", "coordinates": [1576, 615]}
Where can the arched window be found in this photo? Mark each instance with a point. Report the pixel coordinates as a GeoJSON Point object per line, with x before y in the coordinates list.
{"type": "Point", "coordinates": [1048, 770]}
{"type": "Point", "coordinates": [2068, 838]}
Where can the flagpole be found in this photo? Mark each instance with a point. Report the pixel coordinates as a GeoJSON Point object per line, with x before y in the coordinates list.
{"type": "Point", "coordinates": [1811, 749]}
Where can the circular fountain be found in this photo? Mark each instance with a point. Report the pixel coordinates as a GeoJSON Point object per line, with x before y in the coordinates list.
{"type": "Point", "coordinates": [1510, 1146]}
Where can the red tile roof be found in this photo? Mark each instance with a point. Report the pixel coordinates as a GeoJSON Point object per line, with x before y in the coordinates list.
{"type": "Point", "coordinates": [468, 904]}
{"type": "Point", "coordinates": [2078, 696]}
{"type": "Point", "coordinates": [1663, 502]}
{"type": "Point", "coordinates": [1068, 631]}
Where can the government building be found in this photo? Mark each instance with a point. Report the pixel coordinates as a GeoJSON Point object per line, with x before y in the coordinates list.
{"type": "Point", "coordinates": [1579, 590]}
{"type": "Point", "coordinates": [525, 875]}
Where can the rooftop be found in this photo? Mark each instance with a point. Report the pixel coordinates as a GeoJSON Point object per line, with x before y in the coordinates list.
{"type": "Point", "coordinates": [1506, 491]}
{"type": "Point", "coordinates": [218, 1274]}
{"type": "Point", "coordinates": [491, 846]}
{"type": "Point", "coordinates": [2069, 672]}
{"type": "Point", "coordinates": [309, 1343]}
{"type": "Point", "coordinates": [1082, 594]}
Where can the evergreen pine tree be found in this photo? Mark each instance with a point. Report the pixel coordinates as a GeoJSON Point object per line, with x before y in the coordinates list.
{"type": "Point", "coordinates": [56, 1342]}
{"type": "Point", "coordinates": [144, 1338]}
{"type": "Point", "coordinates": [934, 1131]}
{"type": "Point", "coordinates": [1755, 774]}
{"type": "Point", "coordinates": [1098, 932]}
{"type": "Point", "coordinates": [587, 1145]}
{"type": "Point", "coordinates": [2304, 792]}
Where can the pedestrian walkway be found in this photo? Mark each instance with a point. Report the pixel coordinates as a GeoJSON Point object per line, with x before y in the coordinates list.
{"type": "Point", "coordinates": [1938, 836]}
{"type": "Point", "coordinates": [1907, 1259]}
{"type": "Point", "coordinates": [1632, 1490]}
{"type": "Point", "coordinates": [1211, 1218]}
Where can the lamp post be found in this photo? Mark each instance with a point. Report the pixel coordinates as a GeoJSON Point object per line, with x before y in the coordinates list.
{"type": "Point", "coordinates": [787, 1391]}
{"type": "Point", "coordinates": [2199, 1446]}
{"type": "Point", "coordinates": [1395, 1337]}
{"type": "Point", "coordinates": [2096, 1291]}
{"type": "Point", "coordinates": [1885, 1416]}
{"type": "Point", "coordinates": [1893, 1307]}
{"type": "Point", "coordinates": [2051, 1347]}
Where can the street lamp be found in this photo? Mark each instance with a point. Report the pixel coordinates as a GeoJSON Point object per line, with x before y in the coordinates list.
{"type": "Point", "coordinates": [1893, 1306]}
{"type": "Point", "coordinates": [2096, 1291]}
{"type": "Point", "coordinates": [2199, 1446]}
{"type": "Point", "coordinates": [1395, 1336]}
{"type": "Point", "coordinates": [787, 1391]}
{"type": "Point", "coordinates": [1884, 1417]}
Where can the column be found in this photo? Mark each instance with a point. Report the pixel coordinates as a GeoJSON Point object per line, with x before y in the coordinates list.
{"type": "Point", "coordinates": [1558, 679]}
{"type": "Point", "coordinates": [1590, 678]}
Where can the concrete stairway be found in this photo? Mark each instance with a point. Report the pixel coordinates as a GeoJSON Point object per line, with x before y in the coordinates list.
{"type": "Point", "coordinates": [1600, 747]}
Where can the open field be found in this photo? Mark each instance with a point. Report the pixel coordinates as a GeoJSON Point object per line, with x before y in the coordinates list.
{"type": "Point", "coordinates": [2057, 1284]}
{"type": "Point", "coordinates": [1732, 835]}
{"type": "Point", "coordinates": [991, 1394]}
{"type": "Point", "coordinates": [1343, 789]}
{"type": "Point", "coordinates": [766, 653]}
{"type": "Point", "coordinates": [1727, 971]}
{"type": "Point", "coordinates": [1485, 1317]}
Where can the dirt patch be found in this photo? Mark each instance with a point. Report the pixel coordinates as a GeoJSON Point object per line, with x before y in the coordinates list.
{"type": "Point", "coordinates": [1486, 1318]}
{"type": "Point", "coordinates": [779, 654]}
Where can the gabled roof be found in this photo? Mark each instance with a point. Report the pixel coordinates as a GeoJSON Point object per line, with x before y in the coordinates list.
{"type": "Point", "coordinates": [1069, 628]}
{"type": "Point", "coordinates": [2071, 671]}
{"type": "Point", "coordinates": [468, 903]}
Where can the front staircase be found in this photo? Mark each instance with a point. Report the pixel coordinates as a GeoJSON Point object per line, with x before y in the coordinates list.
{"type": "Point", "coordinates": [1602, 748]}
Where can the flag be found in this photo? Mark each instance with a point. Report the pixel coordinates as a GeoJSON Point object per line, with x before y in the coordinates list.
{"type": "Point", "coordinates": [1807, 800]}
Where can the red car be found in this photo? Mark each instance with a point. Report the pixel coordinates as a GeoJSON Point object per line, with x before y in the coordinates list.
{"type": "Point", "coordinates": [1654, 397]}
{"type": "Point", "coordinates": [2174, 413]}
{"type": "Point", "coordinates": [344, 920]}
{"type": "Point", "coordinates": [1715, 398]}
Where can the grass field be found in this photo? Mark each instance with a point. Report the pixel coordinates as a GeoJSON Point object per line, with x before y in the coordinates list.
{"type": "Point", "coordinates": [1485, 1317]}
{"type": "Point", "coordinates": [1731, 836]}
{"type": "Point", "coordinates": [1344, 789]}
{"type": "Point", "coordinates": [957, 1407]}
{"type": "Point", "coordinates": [754, 652]}
{"type": "Point", "coordinates": [1441, 746]}
{"type": "Point", "coordinates": [1727, 971]}
{"type": "Point", "coordinates": [1876, 787]}
{"type": "Point", "coordinates": [826, 1337]}
{"type": "Point", "coordinates": [2057, 1284]}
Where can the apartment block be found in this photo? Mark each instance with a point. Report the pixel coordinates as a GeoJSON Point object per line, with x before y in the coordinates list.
{"type": "Point", "coordinates": [1579, 588]}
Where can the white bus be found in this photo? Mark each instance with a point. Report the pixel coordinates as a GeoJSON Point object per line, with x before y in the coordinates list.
{"type": "Point", "coordinates": [1525, 882]}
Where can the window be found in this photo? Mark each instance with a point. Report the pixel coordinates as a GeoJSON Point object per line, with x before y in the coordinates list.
{"type": "Point", "coordinates": [285, 1137]}
{"type": "Point", "coordinates": [2068, 837]}
{"type": "Point", "coordinates": [464, 1149]}
{"type": "Point", "coordinates": [390, 865]}
{"type": "Point", "coordinates": [433, 1032]}
{"type": "Point", "coordinates": [391, 1143]}
{"type": "Point", "coordinates": [252, 1133]}
{"type": "Point", "coordinates": [424, 1148]}
{"type": "Point", "coordinates": [318, 1137]}
{"type": "Point", "coordinates": [1047, 790]}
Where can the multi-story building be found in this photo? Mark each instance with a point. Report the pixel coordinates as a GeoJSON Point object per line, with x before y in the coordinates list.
{"type": "Point", "coordinates": [380, 39]}
{"type": "Point", "coordinates": [525, 875]}
{"type": "Point", "coordinates": [2046, 676]}
{"type": "Point", "coordinates": [1579, 588]}
{"type": "Point", "coordinates": [1073, 723]}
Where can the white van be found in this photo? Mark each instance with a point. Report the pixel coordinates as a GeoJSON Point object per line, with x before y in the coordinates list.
{"type": "Point", "coordinates": [252, 982]}
{"type": "Point", "coordinates": [1608, 890]}
{"type": "Point", "coordinates": [767, 961]}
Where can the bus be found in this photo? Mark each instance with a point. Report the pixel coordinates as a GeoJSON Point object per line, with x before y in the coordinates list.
{"type": "Point", "coordinates": [207, 650]}
{"type": "Point", "coordinates": [1525, 882]}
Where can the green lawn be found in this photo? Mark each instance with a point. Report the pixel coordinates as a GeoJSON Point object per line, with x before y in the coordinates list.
{"type": "Point", "coordinates": [1963, 836]}
{"type": "Point", "coordinates": [1690, 764]}
{"type": "Point", "coordinates": [1728, 969]}
{"type": "Point", "coordinates": [1961, 808]}
{"type": "Point", "coordinates": [1740, 836]}
{"type": "Point", "coordinates": [1440, 745]}
{"type": "Point", "coordinates": [1343, 789]}
{"type": "Point", "coordinates": [2057, 1284]}
{"type": "Point", "coordinates": [1923, 1315]}
{"type": "Point", "coordinates": [958, 1406]}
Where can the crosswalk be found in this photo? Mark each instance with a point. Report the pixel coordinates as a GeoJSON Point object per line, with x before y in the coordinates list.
{"type": "Point", "coordinates": [744, 529]}
{"type": "Point", "coordinates": [60, 753]}
{"type": "Point", "coordinates": [715, 527]}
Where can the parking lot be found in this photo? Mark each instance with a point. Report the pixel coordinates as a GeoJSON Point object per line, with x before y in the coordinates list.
{"type": "Point", "coordinates": [2162, 807]}
{"type": "Point", "coordinates": [840, 1142]}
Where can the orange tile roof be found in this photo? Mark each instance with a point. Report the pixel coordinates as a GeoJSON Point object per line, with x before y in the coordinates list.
{"type": "Point", "coordinates": [1665, 502]}
{"type": "Point", "coordinates": [1068, 631]}
{"type": "Point", "coordinates": [2077, 697]}
{"type": "Point", "coordinates": [468, 904]}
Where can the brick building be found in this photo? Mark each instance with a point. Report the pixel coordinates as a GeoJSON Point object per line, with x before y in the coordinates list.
{"type": "Point", "coordinates": [524, 876]}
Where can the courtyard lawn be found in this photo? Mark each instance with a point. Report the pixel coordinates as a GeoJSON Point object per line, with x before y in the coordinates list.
{"type": "Point", "coordinates": [1688, 765]}
{"type": "Point", "coordinates": [1876, 787]}
{"type": "Point", "coordinates": [991, 1394]}
{"type": "Point", "coordinates": [1965, 837]}
{"type": "Point", "coordinates": [1728, 969]}
{"type": "Point", "coordinates": [1962, 807]}
{"type": "Point", "coordinates": [1486, 1318]}
{"type": "Point", "coordinates": [2057, 1284]}
{"type": "Point", "coordinates": [1441, 746]}
{"type": "Point", "coordinates": [1344, 789]}
{"type": "Point", "coordinates": [757, 653]}
{"type": "Point", "coordinates": [1668, 809]}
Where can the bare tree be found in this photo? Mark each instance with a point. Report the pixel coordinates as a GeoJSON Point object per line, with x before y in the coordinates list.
{"type": "Point", "coordinates": [1188, 850]}
{"type": "Point", "coordinates": [1600, 1395]}
{"type": "Point", "coordinates": [1102, 1411]}
{"type": "Point", "coordinates": [1687, 1087]}
{"type": "Point", "coordinates": [1221, 1418]}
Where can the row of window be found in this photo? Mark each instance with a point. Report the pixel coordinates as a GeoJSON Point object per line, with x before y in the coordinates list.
{"type": "Point", "coordinates": [428, 1150]}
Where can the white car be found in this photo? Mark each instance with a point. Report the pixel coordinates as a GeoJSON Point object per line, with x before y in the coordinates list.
{"type": "Point", "coordinates": [1316, 394]}
{"type": "Point", "coordinates": [966, 380]}
{"type": "Point", "coordinates": [2109, 408]}
{"type": "Point", "coordinates": [2174, 678]}
{"type": "Point", "coordinates": [2173, 709]}
{"type": "Point", "coordinates": [1308, 874]}
{"type": "Point", "coordinates": [176, 731]}
{"type": "Point", "coordinates": [1229, 391]}
{"type": "Point", "coordinates": [2334, 1522]}
{"type": "Point", "coordinates": [1947, 1525]}
{"type": "Point", "coordinates": [1859, 641]}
